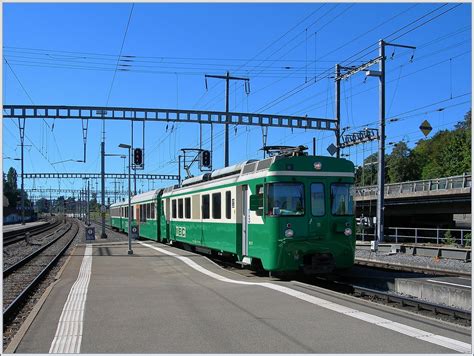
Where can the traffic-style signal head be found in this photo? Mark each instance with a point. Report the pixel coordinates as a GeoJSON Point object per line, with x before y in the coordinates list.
{"type": "Point", "coordinates": [206, 158]}
{"type": "Point", "coordinates": [138, 156]}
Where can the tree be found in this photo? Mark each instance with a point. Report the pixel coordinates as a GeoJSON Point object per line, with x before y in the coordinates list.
{"type": "Point", "coordinates": [401, 165]}
{"type": "Point", "coordinates": [10, 187]}
{"type": "Point", "coordinates": [42, 205]}
{"type": "Point", "coordinates": [367, 173]}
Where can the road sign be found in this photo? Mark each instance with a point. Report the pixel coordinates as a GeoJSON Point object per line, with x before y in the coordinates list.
{"type": "Point", "coordinates": [134, 232]}
{"type": "Point", "coordinates": [426, 128]}
{"type": "Point", "coordinates": [90, 233]}
{"type": "Point", "coordinates": [103, 209]}
{"type": "Point", "coordinates": [332, 149]}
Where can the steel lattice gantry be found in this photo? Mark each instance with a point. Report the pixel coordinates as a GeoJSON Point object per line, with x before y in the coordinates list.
{"type": "Point", "coordinates": [165, 115]}
{"type": "Point", "coordinates": [98, 176]}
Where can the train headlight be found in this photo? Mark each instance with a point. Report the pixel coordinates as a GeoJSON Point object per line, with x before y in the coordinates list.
{"type": "Point", "coordinates": [288, 233]}
{"type": "Point", "coordinates": [348, 231]}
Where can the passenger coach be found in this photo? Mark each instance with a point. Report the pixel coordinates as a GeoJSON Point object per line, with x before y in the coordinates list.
{"type": "Point", "coordinates": [286, 212]}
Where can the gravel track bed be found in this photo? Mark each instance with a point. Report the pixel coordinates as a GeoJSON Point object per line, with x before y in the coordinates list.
{"type": "Point", "coordinates": [12, 327]}
{"type": "Point", "coordinates": [16, 252]}
{"type": "Point", "coordinates": [417, 261]}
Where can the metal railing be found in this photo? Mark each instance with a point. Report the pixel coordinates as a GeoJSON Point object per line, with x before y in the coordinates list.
{"type": "Point", "coordinates": [446, 183]}
{"type": "Point", "coordinates": [417, 235]}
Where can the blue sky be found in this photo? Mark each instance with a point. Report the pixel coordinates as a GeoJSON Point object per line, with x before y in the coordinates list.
{"type": "Point", "coordinates": [66, 54]}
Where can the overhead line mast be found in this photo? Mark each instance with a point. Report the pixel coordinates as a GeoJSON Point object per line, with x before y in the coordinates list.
{"type": "Point", "coordinates": [227, 78]}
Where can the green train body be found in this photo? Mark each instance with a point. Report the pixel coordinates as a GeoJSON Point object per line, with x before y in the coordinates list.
{"type": "Point", "coordinates": [289, 213]}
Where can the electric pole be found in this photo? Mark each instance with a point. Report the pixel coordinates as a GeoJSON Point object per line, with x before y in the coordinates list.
{"type": "Point", "coordinates": [21, 126]}
{"type": "Point", "coordinates": [381, 154]}
{"type": "Point", "coordinates": [338, 111]}
{"type": "Point", "coordinates": [227, 78]}
{"type": "Point", "coordinates": [370, 135]}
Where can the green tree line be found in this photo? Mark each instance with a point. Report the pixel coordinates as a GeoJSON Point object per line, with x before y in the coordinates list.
{"type": "Point", "coordinates": [447, 153]}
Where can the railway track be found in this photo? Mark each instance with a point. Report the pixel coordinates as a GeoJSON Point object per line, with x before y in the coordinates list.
{"type": "Point", "coordinates": [11, 237]}
{"type": "Point", "coordinates": [20, 279]}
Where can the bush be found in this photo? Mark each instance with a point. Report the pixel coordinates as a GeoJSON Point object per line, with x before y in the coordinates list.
{"type": "Point", "coordinates": [448, 238]}
{"type": "Point", "coordinates": [467, 240]}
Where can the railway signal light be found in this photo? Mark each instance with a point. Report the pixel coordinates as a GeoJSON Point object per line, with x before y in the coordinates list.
{"type": "Point", "coordinates": [206, 158]}
{"type": "Point", "coordinates": [138, 156]}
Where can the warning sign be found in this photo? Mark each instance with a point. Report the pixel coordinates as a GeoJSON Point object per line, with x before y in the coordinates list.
{"type": "Point", "coordinates": [426, 128]}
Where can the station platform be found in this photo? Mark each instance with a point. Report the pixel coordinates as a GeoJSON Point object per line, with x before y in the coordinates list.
{"type": "Point", "coordinates": [451, 291]}
{"type": "Point", "coordinates": [16, 227]}
{"type": "Point", "coordinates": [162, 299]}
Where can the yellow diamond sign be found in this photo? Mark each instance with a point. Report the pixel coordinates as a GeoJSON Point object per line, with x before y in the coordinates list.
{"type": "Point", "coordinates": [426, 128]}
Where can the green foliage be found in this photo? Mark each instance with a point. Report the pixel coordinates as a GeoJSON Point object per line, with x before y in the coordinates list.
{"type": "Point", "coordinates": [401, 164]}
{"type": "Point", "coordinates": [467, 240]}
{"type": "Point", "coordinates": [447, 153]}
{"type": "Point", "coordinates": [448, 238]}
{"type": "Point", "coordinates": [10, 189]}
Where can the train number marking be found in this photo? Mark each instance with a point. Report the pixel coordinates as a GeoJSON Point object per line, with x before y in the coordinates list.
{"type": "Point", "coordinates": [181, 231]}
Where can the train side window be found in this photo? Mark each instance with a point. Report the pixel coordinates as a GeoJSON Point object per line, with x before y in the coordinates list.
{"type": "Point", "coordinates": [205, 206]}
{"type": "Point", "coordinates": [317, 199]}
{"type": "Point", "coordinates": [216, 205]}
{"type": "Point", "coordinates": [148, 211]}
{"type": "Point", "coordinates": [187, 208]}
{"type": "Point", "coordinates": [228, 207]}
{"type": "Point", "coordinates": [259, 189]}
{"type": "Point", "coordinates": [152, 212]}
{"type": "Point", "coordinates": [142, 212]}
{"type": "Point", "coordinates": [173, 208]}
{"type": "Point", "coordinates": [180, 208]}
{"type": "Point", "coordinates": [195, 206]}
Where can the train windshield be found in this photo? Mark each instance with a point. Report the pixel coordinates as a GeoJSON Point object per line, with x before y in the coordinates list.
{"type": "Point", "coordinates": [285, 199]}
{"type": "Point", "coordinates": [341, 199]}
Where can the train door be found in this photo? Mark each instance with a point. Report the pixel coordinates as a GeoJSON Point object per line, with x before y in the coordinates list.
{"type": "Point", "coordinates": [168, 218]}
{"type": "Point", "coordinates": [245, 220]}
{"type": "Point", "coordinates": [318, 222]}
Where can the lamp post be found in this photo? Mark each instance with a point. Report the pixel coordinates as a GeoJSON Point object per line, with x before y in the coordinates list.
{"type": "Point", "coordinates": [130, 251]}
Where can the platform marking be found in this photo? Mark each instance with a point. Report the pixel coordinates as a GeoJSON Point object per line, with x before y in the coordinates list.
{"type": "Point", "coordinates": [372, 319]}
{"type": "Point", "coordinates": [452, 284]}
{"type": "Point", "coordinates": [69, 332]}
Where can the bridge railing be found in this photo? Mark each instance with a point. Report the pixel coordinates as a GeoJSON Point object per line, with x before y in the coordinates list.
{"type": "Point", "coordinates": [446, 183]}
{"type": "Point", "coordinates": [417, 235]}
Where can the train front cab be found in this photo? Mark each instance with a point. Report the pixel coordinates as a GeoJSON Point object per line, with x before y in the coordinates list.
{"type": "Point", "coordinates": [308, 223]}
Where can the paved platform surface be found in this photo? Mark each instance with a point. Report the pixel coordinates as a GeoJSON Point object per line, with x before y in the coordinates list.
{"type": "Point", "coordinates": [14, 227]}
{"type": "Point", "coordinates": [166, 300]}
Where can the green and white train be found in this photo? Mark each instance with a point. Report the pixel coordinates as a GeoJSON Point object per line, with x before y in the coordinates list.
{"type": "Point", "coordinates": [287, 212]}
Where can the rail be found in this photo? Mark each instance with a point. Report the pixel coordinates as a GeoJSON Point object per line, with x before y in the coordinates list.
{"type": "Point", "coordinates": [417, 235]}
{"type": "Point", "coordinates": [437, 184]}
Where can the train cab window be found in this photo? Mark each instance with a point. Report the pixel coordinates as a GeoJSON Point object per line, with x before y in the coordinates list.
{"type": "Point", "coordinates": [173, 208]}
{"type": "Point", "coordinates": [317, 199]}
{"type": "Point", "coordinates": [228, 207]}
{"type": "Point", "coordinates": [148, 211]}
{"type": "Point", "coordinates": [180, 208]}
{"type": "Point", "coordinates": [187, 208]}
{"type": "Point", "coordinates": [285, 199]}
{"type": "Point", "coordinates": [216, 205]}
{"type": "Point", "coordinates": [205, 206]}
{"type": "Point", "coordinates": [341, 199]}
{"type": "Point", "coordinates": [152, 211]}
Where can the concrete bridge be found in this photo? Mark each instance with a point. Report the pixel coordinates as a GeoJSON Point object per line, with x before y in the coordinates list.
{"type": "Point", "coordinates": [431, 202]}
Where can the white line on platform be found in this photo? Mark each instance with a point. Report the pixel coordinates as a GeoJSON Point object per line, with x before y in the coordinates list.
{"type": "Point", "coordinates": [451, 284]}
{"type": "Point", "coordinates": [372, 319]}
{"type": "Point", "coordinates": [69, 332]}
